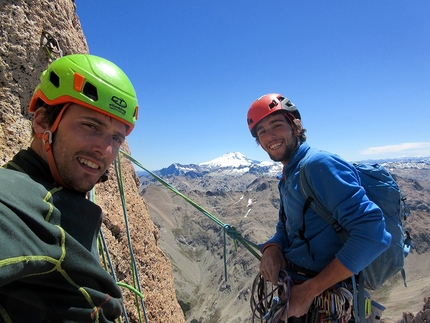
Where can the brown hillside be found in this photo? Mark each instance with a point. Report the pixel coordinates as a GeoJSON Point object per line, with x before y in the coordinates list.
{"type": "Point", "coordinates": [195, 244]}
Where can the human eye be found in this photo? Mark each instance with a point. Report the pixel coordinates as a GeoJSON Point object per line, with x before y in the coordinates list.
{"type": "Point", "coordinates": [278, 125]}
{"type": "Point", "coordinates": [90, 126]}
{"type": "Point", "coordinates": [118, 139]}
{"type": "Point", "coordinates": [260, 132]}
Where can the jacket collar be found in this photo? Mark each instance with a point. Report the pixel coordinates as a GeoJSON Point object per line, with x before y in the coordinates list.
{"type": "Point", "coordinates": [297, 157]}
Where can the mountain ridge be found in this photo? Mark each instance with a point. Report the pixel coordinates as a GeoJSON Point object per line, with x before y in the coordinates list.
{"type": "Point", "coordinates": [246, 196]}
{"type": "Point", "coordinates": [237, 164]}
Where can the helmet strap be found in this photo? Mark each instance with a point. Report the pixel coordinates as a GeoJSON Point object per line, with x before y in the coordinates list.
{"type": "Point", "coordinates": [47, 141]}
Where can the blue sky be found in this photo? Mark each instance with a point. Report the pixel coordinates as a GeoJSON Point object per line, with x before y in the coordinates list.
{"type": "Point", "coordinates": [359, 72]}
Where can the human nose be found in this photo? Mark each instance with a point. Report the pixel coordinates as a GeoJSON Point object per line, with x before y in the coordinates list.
{"type": "Point", "coordinates": [270, 132]}
{"type": "Point", "coordinates": [104, 146]}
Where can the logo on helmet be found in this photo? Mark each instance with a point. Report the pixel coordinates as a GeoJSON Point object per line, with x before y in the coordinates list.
{"type": "Point", "coordinates": [118, 105]}
{"type": "Point", "coordinates": [119, 101]}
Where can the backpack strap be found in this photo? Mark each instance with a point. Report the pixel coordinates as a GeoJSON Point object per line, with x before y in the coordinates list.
{"type": "Point", "coordinates": [359, 298]}
{"type": "Point", "coordinates": [313, 201]}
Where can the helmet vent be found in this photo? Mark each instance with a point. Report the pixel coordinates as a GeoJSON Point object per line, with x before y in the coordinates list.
{"type": "Point", "coordinates": [273, 104]}
{"type": "Point", "coordinates": [54, 79]}
{"type": "Point", "coordinates": [90, 91]}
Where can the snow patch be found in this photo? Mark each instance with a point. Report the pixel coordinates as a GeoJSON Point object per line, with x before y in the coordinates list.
{"type": "Point", "coordinates": [247, 213]}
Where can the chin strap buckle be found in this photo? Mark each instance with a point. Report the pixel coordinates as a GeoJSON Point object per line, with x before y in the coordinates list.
{"type": "Point", "coordinates": [47, 140]}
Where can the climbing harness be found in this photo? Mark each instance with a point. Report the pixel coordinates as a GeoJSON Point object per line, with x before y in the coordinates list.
{"type": "Point", "coordinates": [51, 46]}
{"type": "Point", "coordinates": [265, 306]}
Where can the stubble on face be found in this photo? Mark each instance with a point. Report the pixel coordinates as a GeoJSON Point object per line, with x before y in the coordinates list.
{"type": "Point", "coordinates": [66, 161]}
{"type": "Point", "coordinates": [277, 138]}
{"type": "Point", "coordinates": [85, 145]}
{"type": "Point", "coordinates": [285, 152]}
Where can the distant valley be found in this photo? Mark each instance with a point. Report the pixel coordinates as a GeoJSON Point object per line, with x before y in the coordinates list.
{"type": "Point", "coordinates": [243, 193]}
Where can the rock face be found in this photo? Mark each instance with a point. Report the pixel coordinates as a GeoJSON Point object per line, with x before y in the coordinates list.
{"type": "Point", "coordinates": [421, 316]}
{"type": "Point", "coordinates": [23, 25]}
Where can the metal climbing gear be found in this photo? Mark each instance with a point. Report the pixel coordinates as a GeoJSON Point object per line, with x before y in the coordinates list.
{"type": "Point", "coordinates": [51, 45]}
{"type": "Point", "coordinates": [334, 304]}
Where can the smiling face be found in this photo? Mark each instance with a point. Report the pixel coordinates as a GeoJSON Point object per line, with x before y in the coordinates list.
{"type": "Point", "coordinates": [84, 145]}
{"type": "Point", "coordinates": [277, 137]}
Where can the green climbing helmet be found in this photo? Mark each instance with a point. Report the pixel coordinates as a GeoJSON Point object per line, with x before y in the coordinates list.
{"type": "Point", "coordinates": [90, 81]}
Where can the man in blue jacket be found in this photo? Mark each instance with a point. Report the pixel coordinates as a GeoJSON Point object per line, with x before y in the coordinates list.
{"type": "Point", "coordinates": [276, 124]}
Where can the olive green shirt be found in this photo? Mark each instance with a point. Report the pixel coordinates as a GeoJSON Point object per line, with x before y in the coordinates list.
{"type": "Point", "coordinates": [49, 265]}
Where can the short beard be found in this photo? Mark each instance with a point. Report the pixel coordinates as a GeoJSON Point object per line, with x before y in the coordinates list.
{"type": "Point", "coordinates": [285, 158]}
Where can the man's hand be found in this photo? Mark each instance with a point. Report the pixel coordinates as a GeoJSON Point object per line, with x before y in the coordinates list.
{"type": "Point", "coordinates": [271, 263]}
{"type": "Point", "coordinates": [300, 300]}
{"type": "Point", "coordinates": [302, 295]}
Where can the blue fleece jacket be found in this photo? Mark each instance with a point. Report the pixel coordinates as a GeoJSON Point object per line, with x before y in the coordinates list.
{"type": "Point", "coordinates": [337, 184]}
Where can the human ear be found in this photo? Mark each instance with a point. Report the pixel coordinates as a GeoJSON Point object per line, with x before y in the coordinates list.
{"type": "Point", "coordinates": [39, 121]}
{"type": "Point", "coordinates": [297, 127]}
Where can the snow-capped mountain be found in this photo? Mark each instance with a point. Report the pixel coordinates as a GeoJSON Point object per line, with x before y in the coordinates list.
{"type": "Point", "coordinates": [232, 159]}
{"type": "Point", "coordinates": [230, 164]}
{"type": "Point", "coordinates": [407, 163]}
{"type": "Point", "coordinates": [236, 164]}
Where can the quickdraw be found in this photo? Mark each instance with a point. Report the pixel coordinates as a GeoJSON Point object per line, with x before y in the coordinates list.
{"type": "Point", "coordinates": [269, 303]}
{"type": "Point", "coordinates": [51, 45]}
{"type": "Point", "coordinates": [333, 305]}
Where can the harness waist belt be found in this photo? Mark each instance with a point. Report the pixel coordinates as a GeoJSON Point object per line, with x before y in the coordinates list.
{"type": "Point", "coordinates": [300, 270]}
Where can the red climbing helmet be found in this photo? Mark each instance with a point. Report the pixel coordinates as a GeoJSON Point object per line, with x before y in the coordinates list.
{"type": "Point", "coordinates": [268, 104]}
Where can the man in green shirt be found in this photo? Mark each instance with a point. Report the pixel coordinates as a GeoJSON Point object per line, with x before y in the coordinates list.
{"type": "Point", "coordinates": [83, 109]}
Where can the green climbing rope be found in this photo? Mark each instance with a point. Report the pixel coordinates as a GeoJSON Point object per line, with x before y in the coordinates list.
{"type": "Point", "coordinates": [135, 289]}
{"type": "Point", "coordinates": [135, 273]}
{"type": "Point", "coordinates": [228, 229]}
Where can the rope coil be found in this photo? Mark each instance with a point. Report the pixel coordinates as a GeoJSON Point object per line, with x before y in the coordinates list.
{"type": "Point", "coordinates": [265, 306]}
{"type": "Point", "coordinates": [270, 303]}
